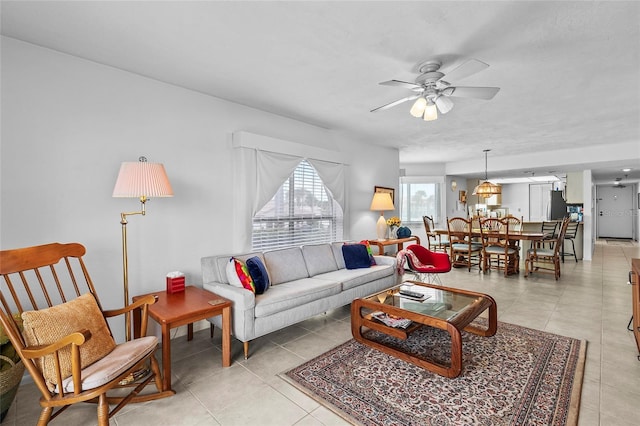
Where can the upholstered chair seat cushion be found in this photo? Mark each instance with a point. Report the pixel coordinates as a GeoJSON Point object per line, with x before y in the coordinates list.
{"type": "Point", "coordinates": [114, 364]}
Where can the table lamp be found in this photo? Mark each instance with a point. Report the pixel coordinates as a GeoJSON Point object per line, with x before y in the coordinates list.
{"type": "Point", "coordinates": [138, 180]}
{"type": "Point", "coordinates": [381, 202]}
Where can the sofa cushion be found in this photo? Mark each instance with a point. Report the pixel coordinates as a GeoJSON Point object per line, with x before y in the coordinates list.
{"type": "Point", "coordinates": [337, 254]}
{"type": "Point", "coordinates": [369, 251]}
{"type": "Point", "coordinates": [285, 265]}
{"type": "Point", "coordinates": [290, 294]}
{"type": "Point", "coordinates": [242, 275]}
{"type": "Point", "coordinates": [258, 273]}
{"type": "Point", "coordinates": [356, 256]}
{"type": "Point", "coordinates": [319, 259]}
{"type": "Point", "coordinates": [214, 268]}
{"type": "Point", "coordinates": [351, 278]}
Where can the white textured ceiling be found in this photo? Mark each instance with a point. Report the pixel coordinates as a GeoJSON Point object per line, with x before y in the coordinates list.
{"type": "Point", "coordinates": [569, 72]}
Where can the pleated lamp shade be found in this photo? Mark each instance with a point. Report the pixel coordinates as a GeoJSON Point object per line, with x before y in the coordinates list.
{"type": "Point", "coordinates": [142, 179]}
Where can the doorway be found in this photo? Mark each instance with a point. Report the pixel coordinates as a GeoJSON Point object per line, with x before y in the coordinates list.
{"type": "Point", "coordinates": [614, 207]}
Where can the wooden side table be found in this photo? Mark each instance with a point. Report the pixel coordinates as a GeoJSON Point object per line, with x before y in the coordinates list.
{"type": "Point", "coordinates": [393, 241]}
{"type": "Point", "coordinates": [186, 307]}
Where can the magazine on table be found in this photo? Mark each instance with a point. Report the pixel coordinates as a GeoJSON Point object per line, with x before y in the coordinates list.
{"type": "Point", "coordinates": [391, 320]}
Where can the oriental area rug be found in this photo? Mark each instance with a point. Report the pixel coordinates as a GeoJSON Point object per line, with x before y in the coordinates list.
{"type": "Point", "coordinates": [520, 376]}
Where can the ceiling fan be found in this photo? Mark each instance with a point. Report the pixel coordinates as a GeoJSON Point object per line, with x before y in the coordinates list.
{"type": "Point", "coordinates": [431, 93]}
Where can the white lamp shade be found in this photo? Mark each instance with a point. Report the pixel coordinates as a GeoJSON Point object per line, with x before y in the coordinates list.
{"type": "Point", "coordinates": [444, 104]}
{"type": "Point", "coordinates": [142, 179]}
{"type": "Point", "coordinates": [430, 113]}
{"type": "Point", "coordinates": [418, 107]}
{"type": "Point", "coordinates": [381, 202]}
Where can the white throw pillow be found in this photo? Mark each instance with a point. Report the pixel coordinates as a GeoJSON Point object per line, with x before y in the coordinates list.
{"type": "Point", "coordinates": [232, 275]}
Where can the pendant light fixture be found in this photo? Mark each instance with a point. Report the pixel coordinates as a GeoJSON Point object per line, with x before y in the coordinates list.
{"type": "Point", "coordinates": [487, 189]}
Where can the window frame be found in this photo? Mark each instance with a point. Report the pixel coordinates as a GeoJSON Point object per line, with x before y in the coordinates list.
{"type": "Point", "coordinates": [438, 183]}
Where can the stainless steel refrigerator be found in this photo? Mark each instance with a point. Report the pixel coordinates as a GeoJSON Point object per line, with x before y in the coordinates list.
{"type": "Point", "coordinates": [557, 206]}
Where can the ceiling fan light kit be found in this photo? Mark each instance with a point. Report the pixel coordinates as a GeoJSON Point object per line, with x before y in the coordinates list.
{"type": "Point", "coordinates": [430, 111]}
{"type": "Point", "coordinates": [487, 189]}
{"type": "Point", "coordinates": [432, 92]}
{"type": "Point", "coordinates": [418, 107]}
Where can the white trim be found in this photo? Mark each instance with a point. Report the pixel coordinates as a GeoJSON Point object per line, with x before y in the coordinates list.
{"type": "Point", "coordinates": [422, 179]}
{"type": "Point", "coordinates": [243, 139]}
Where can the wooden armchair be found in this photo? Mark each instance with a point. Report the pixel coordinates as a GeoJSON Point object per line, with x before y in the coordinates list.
{"type": "Point", "coordinates": [540, 259]}
{"type": "Point", "coordinates": [463, 250]}
{"type": "Point", "coordinates": [67, 345]}
{"type": "Point", "coordinates": [497, 246]}
{"type": "Point", "coordinates": [435, 241]}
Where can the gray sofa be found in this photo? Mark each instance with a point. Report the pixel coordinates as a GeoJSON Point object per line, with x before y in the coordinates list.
{"type": "Point", "coordinates": [305, 281]}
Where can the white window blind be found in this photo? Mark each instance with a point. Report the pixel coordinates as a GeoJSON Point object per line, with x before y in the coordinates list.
{"type": "Point", "coordinates": [301, 212]}
{"type": "Point", "coordinates": [419, 199]}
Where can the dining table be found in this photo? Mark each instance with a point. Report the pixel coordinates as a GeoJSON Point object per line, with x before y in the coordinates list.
{"type": "Point", "coordinates": [513, 236]}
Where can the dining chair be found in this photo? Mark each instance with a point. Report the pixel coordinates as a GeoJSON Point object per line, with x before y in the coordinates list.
{"type": "Point", "coordinates": [66, 344]}
{"type": "Point", "coordinates": [572, 232]}
{"type": "Point", "coordinates": [515, 224]}
{"type": "Point", "coordinates": [435, 241]}
{"type": "Point", "coordinates": [549, 228]}
{"type": "Point", "coordinates": [540, 259]}
{"type": "Point", "coordinates": [497, 246]}
{"type": "Point", "coordinates": [463, 250]}
{"type": "Point", "coordinates": [427, 265]}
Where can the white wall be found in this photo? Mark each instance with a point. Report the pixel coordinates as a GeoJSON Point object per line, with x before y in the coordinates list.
{"type": "Point", "coordinates": [68, 123]}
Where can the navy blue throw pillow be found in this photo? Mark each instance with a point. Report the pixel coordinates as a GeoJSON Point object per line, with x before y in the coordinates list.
{"type": "Point", "coordinates": [356, 256]}
{"type": "Point", "coordinates": [258, 273]}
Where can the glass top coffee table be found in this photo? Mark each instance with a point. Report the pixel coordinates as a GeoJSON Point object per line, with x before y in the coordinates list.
{"type": "Point", "coordinates": [450, 309]}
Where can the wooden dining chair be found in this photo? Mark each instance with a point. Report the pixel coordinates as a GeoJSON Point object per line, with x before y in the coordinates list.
{"type": "Point", "coordinates": [463, 250]}
{"type": "Point", "coordinates": [540, 259]}
{"type": "Point", "coordinates": [66, 343]}
{"type": "Point", "coordinates": [515, 224]}
{"type": "Point", "coordinates": [498, 251]}
{"type": "Point", "coordinates": [435, 241]}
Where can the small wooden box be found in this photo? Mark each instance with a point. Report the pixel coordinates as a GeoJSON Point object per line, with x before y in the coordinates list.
{"type": "Point", "coordinates": [175, 285]}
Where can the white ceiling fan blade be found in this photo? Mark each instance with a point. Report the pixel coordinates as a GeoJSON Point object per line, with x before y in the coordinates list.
{"type": "Point", "coordinates": [468, 68]}
{"type": "Point", "coordinates": [405, 84]}
{"type": "Point", "coordinates": [394, 103]}
{"type": "Point", "coordinates": [474, 92]}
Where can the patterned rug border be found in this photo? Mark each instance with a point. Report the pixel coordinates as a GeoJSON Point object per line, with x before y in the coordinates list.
{"type": "Point", "coordinates": [573, 407]}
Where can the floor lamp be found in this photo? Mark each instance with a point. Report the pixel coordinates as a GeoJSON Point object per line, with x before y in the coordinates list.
{"type": "Point", "coordinates": [141, 180]}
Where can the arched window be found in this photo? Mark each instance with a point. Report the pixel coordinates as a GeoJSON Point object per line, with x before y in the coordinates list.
{"type": "Point", "coordinates": [301, 212]}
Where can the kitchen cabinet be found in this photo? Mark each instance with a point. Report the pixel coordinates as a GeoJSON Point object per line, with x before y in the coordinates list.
{"type": "Point", "coordinates": [494, 200]}
{"type": "Point", "coordinates": [573, 188]}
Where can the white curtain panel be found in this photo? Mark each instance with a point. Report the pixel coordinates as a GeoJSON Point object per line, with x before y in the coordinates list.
{"type": "Point", "coordinates": [333, 176]}
{"type": "Point", "coordinates": [273, 169]}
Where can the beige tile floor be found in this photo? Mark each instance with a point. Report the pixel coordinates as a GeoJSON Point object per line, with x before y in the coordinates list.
{"type": "Point", "coordinates": [591, 301]}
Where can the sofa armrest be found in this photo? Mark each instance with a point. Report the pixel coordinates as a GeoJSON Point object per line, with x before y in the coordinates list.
{"type": "Point", "coordinates": [385, 260]}
{"type": "Point", "coordinates": [242, 308]}
{"type": "Point", "coordinates": [242, 299]}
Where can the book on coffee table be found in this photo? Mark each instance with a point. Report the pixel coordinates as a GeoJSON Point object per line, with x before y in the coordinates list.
{"type": "Point", "coordinates": [391, 320]}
